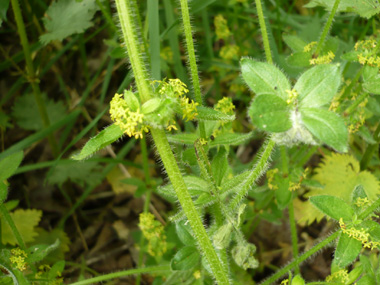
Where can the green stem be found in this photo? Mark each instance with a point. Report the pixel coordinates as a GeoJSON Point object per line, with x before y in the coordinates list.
{"type": "Point", "coordinates": [144, 153]}
{"type": "Point", "coordinates": [163, 147]}
{"type": "Point", "coordinates": [192, 59]}
{"type": "Point", "coordinates": [327, 27]}
{"type": "Point", "coordinates": [154, 39]}
{"type": "Point", "coordinates": [187, 204]}
{"type": "Point", "coordinates": [301, 259]}
{"type": "Point", "coordinates": [264, 32]}
{"type": "Point", "coordinates": [292, 221]}
{"type": "Point", "coordinates": [127, 24]}
{"type": "Point", "coordinates": [8, 219]}
{"type": "Point", "coordinates": [32, 78]}
{"type": "Point", "coordinates": [356, 103]}
{"type": "Point", "coordinates": [370, 149]}
{"type": "Point", "coordinates": [257, 171]}
{"type": "Point", "coordinates": [146, 270]}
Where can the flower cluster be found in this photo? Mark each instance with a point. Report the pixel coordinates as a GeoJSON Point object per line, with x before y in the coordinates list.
{"type": "Point", "coordinates": [230, 52]}
{"type": "Point", "coordinates": [173, 88]}
{"type": "Point", "coordinates": [339, 276]}
{"type": "Point", "coordinates": [362, 202]}
{"type": "Point", "coordinates": [17, 258]}
{"type": "Point", "coordinates": [361, 235]}
{"type": "Point", "coordinates": [324, 59]}
{"type": "Point", "coordinates": [225, 106]}
{"type": "Point", "coordinates": [309, 46]}
{"type": "Point", "coordinates": [153, 231]}
{"type": "Point", "coordinates": [270, 176]}
{"type": "Point", "coordinates": [132, 123]}
{"type": "Point", "coordinates": [366, 55]}
{"type": "Point", "coordinates": [292, 96]}
{"type": "Point", "coordinates": [189, 108]}
{"type": "Point", "coordinates": [221, 29]}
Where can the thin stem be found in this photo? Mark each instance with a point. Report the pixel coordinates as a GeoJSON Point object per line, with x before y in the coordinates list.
{"type": "Point", "coordinates": [327, 27]}
{"type": "Point", "coordinates": [163, 147]}
{"type": "Point", "coordinates": [370, 149]}
{"type": "Point", "coordinates": [292, 221]}
{"type": "Point", "coordinates": [192, 59]}
{"type": "Point", "coordinates": [144, 153]}
{"type": "Point", "coordinates": [186, 202]}
{"type": "Point", "coordinates": [264, 32]}
{"type": "Point", "coordinates": [301, 259]}
{"type": "Point", "coordinates": [8, 219]}
{"type": "Point", "coordinates": [148, 270]}
{"type": "Point", "coordinates": [257, 170]}
{"type": "Point", "coordinates": [32, 78]}
{"type": "Point", "coordinates": [356, 103]}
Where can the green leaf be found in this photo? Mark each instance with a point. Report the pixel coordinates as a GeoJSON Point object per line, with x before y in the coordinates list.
{"type": "Point", "coordinates": [3, 192]}
{"type": "Point", "coordinates": [67, 17]}
{"type": "Point", "coordinates": [318, 85]}
{"type": "Point", "coordinates": [184, 138]}
{"type": "Point", "coordinates": [185, 233]}
{"type": "Point", "coordinates": [9, 165]}
{"type": "Point", "coordinates": [185, 259]}
{"type": "Point", "coordinates": [195, 185]}
{"type": "Point", "coordinates": [49, 237]}
{"type": "Point", "coordinates": [283, 194]}
{"type": "Point", "coordinates": [38, 252]}
{"type": "Point", "coordinates": [299, 59]}
{"type": "Point", "coordinates": [333, 207]}
{"type": "Point", "coordinates": [56, 269]}
{"type": "Point", "coordinates": [369, 72]}
{"type": "Point", "coordinates": [25, 221]}
{"type": "Point", "coordinates": [209, 114]}
{"type": "Point", "coordinates": [347, 250]}
{"type": "Point", "coordinates": [82, 173]}
{"type": "Point", "coordinates": [372, 85]}
{"type": "Point", "coordinates": [326, 126]}
{"type": "Point", "coordinates": [150, 106]}
{"type": "Point", "coordinates": [270, 113]}
{"type": "Point", "coordinates": [351, 56]}
{"type": "Point", "coordinates": [101, 140]}
{"type": "Point", "coordinates": [4, 5]}
{"type": "Point", "coordinates": [231, 139]}
{"type": "Point", "coordinates": [367, 8]}
{"type": "Point", "coordinates": [25, 112]}
{"type": "Point", "coordinates": [356, 194]}
{"type": "Point", "coordinates": [233, 184]}
{"type": "Point", "coordinates": [294, 42]}
{"type": "Point", "coordinates": [219, 166]}
{"type": "Point", "coordinates": [264, 78]}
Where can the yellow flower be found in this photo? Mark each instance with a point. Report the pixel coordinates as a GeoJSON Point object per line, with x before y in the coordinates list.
{"type": "Point", "coordinates": [221, 28]}
{"type": "Point", "coordinates": [309, 46]}
{"type": "Point", "coordinates": [189, 108]}
{"type": "Point", "coordinates": [153, 231]}
{"type": "Point", "coordinates": [324, 59]}
{"type": "Point", "coordinates": [131, 123]}
{"type": "Point", "coordinates": [17, 258]}
{"type": "Point", "coordinates": [225, 106]}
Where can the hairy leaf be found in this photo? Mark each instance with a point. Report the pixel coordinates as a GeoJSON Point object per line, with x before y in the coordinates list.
{"type": "Point", "coordinates": [209, 114]}
{"type": "Point", "coordinates": [347, 250]}
{"type": "Point", "coordinates": [270, 113]}
{"type": "Point", "coordinates": [10, 164]}
{"type": "Point", "coordinates": [185, 259]}
{"type": "Point", "coordinates": [264, 78]}
{"type": "Point", "coordinates": [333, 207]}
{"type": "Point", "coordinates": [318, 85]}
{"type": "Point", "coordinates": [231, 139]}
{"type": "Point", "coordinates": [101, 140]}
{"type": "Point", "coordinates": [327, 127]}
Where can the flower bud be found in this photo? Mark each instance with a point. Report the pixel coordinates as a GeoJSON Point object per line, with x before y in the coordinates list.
{"type": "Point", "coordinates": [243, 255]}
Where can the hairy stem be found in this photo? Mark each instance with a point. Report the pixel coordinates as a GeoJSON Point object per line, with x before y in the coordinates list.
{"type": "Point", "coordinates": [256, 172]}
{"type": "Point", "coordinates": [163, 147]}
{"type": "Point", "coordinates": [192, 59]}
{"type": "Point", "coordinates": [264, 32]}
{"type": "Point", "coordinates": [300, 259]}
{"type": "Point", "coordinates": [127, 24]}
{"type": "Point", "coordinates": [327, 27]}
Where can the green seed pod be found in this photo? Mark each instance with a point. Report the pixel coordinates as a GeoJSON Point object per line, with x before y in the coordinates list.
{"type": "Point", "coordinates": [298, 280]}
{"type": "Point", "coordinates": [222, 236]}
{"type": "Point", "coordinates": [150, 106]}
{"type": "Point", "coordinates": [243, 255]}
{"type": "Point", "coordinates": [132, 100]}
